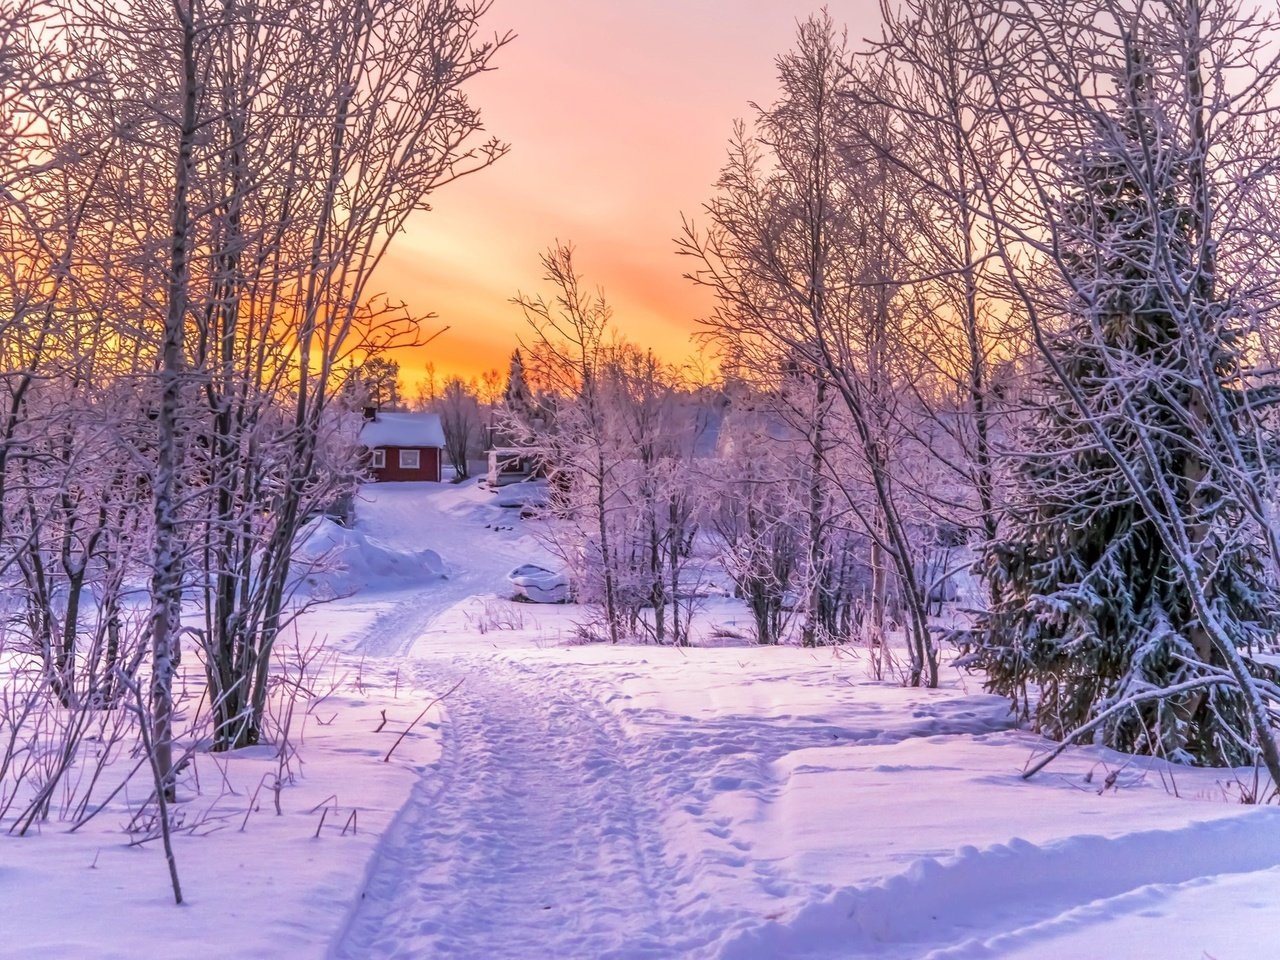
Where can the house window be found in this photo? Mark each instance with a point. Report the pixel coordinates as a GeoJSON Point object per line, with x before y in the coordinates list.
{"type": "Point", "coordinates": [379, 459]}
{"type": "Point", "coordinates": [410, 459]}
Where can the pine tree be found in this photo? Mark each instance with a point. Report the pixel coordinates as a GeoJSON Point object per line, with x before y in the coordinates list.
{"type": "Point", "coordinates": [1092, 607]}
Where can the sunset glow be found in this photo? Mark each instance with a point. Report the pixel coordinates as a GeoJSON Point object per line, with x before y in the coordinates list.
{"type": "Point", "coordinates": [617, 114]}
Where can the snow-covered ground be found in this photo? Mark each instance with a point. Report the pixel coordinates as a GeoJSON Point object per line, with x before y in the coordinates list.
{"type": "Point", "coordinates": [587, 801]}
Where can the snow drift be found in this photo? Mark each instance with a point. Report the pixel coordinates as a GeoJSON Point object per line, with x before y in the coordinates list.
{"type": "Point", "coordinates": [332, 560]}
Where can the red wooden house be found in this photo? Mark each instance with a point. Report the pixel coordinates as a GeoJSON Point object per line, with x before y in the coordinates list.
{"type": "Point", "coordinates": [403, 446]}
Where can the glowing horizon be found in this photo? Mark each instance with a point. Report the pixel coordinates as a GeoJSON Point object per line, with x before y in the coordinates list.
{"type": "Point", "coordinates": [618, 115]}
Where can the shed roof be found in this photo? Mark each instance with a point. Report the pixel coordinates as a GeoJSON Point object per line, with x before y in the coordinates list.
{"type": "Point", "coordinates": [403, 430]}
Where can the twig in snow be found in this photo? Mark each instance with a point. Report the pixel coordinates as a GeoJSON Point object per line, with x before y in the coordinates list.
{"type": "Point", "coordinates": [162, 800]}
{"type": "Point", "coordinates": [1111, 711]}
{"type": "Point", "coordinates": [325, 803]}
{"type": "Point", "coordinates": [419, 718]}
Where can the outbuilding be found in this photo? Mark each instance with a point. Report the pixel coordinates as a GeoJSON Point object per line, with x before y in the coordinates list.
{"type": "Point", "coordinates": [403, 446]}
{"type": "Point", "coordinates": [510, 465]}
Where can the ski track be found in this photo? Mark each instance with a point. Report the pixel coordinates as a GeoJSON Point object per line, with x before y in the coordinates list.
{"type": "Point", "coordinates": [393, 633]}
{"type": "Point", "coordinates": [535, 842]}
{"type": "Point", "coordinates": [543, 832]}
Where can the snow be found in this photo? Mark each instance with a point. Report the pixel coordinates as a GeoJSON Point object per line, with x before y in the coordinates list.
{"type": "Point", "coordinates": [332, 560]}
{"type": "Point", "coordinates": [257, 884]}
{"type": "Point", "coordinates": [539, 584]}
{"type": "Point", "coordinates": [403, 430]}
{"type": "Point", "coordinates": [589, 801]}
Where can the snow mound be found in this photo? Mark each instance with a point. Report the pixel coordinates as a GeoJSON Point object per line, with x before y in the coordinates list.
{"type": "Point", "coordinates": [332, 560]}
{"type": "Point", "coordinates": [527, 493]}
{"type": "Point", "coordinates": [1023, 893]}
{"type": "Point", "coordinates": [539, 584]}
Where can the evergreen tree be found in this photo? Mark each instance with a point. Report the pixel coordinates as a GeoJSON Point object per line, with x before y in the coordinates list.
{"type": "Point", "coordinates": [1091, 605]}
{"type": "Point", "coordinates": [381, 379]}
{"type": "Point", "coordinates": [517, 397]}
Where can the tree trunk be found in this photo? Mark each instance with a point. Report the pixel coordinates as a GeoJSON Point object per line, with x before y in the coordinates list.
{"type": "Point", "coordinates": [166, 579]}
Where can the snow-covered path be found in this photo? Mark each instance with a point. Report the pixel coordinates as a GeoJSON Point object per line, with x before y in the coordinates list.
{"type": "Point", "coordinates": [529, 837]}
{"type": "Point", "coordinates": [477, 540]}
{"type": "Point", "coordinates": [530, 840]}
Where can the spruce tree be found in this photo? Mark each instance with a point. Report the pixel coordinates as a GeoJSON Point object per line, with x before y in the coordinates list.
{"type": "Point", "coordinates": [517, 397]}
{"type": "Point", "coordinates": [1091, 606]}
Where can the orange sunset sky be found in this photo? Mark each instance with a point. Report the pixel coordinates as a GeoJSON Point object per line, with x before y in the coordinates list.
{"type": "Point", "coordinates": [618, 112]}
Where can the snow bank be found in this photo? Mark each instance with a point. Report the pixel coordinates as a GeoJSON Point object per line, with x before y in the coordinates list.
{"type": "Point", "coordinates": [331, 560]}
{"type": "Point", "coordinates": [264, 874]}
{"type": "Point", "coordinates": [1020, 893]}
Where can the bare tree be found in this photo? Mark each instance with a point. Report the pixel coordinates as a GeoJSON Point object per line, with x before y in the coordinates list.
{"type": "Point", "coordinates": [943, 136]}
{"type": "Point", "coordinates": [759, 512]}
{"type": "Point", "coordinates": [799, 253]}
{"type": "Point", "coordinates": [459, 411]}
{"type": "Point", "coordinates": [567, 355]}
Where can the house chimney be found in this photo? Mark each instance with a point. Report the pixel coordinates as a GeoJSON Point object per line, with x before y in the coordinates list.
{"type": "Point", "coordinates": [370, 414]}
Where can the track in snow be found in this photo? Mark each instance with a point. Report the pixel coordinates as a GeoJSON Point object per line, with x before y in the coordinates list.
{"type": "Point", "coordinates": [530, 840]}
{"type": "Point", "coordinates": [477, 559]}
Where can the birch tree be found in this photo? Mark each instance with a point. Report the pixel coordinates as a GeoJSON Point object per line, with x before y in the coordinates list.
{"type": "Point", "coordinates": [375, 96]}
{"type": "Point", "coordinates": [799, 250]}
{"type": "Point", "coordinates": [567, 356]}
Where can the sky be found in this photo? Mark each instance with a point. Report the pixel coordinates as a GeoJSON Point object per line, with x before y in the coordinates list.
{"type": "Point", "coordinates": [618, 113]}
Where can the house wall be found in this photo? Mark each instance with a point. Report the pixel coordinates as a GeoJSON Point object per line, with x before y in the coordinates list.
{"type": "Point", "coordinates": [428, 465]}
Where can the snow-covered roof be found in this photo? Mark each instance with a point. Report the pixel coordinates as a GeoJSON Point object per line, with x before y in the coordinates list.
{"type": "Point", "coordinates": [403, 430]}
